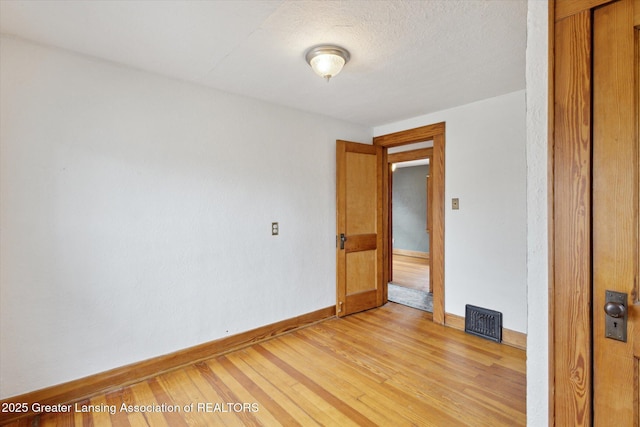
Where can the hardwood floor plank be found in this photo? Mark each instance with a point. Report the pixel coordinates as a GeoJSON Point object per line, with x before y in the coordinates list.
{"type": "Point", "coordinates": [329, 374]}
{"type": "Point", "coordinates": [142, 394]}
{"type": "Point", "coordinates": [325, 413]}
{"type": "Point", "coordinates": [344, 373]}
{"type": "Point", "coordinates": [183, 392]}
{"type": "Point", "coordinates": [260, 395]}
{"type": "Point", "coordinates": [56, 420]}
{"type": "Point", "coordinates": [411, 272]}
{"type": "Point", "coordinates": [81, 419]}
{"type": "Point", "coordinates": [118, 418]}
{"type": "Point", "coordinates": [403, 345]}
{"type": "Point", "coordinates": [319, 410]}
{"type": "Point", "coordinates": [386, 366]}
{"type": "Point", "coordinates": [325, 394]}
{"type": "Point", "coordinates": [134, 418]}
{"type": "Point", "coordinates": [243, 397]}
{"type": "Point", "coordinates": [173, 418]}
{"type": "Point", "coordinates": [283, 408]}
{"type": "Point", "coordinates": [209, 395]}
{"type": "Point", "coordinates": [344, 367]}
{"type": "Point", "coordinates": [440, 377]}
{"type": "Point", "coordinates": [227, 395]}
{"type": "Point", "coordinates": [99, 417]}
{"type": "Point", "coordinates": [475, 344]}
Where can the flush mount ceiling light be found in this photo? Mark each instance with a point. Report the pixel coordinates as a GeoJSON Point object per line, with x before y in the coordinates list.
{"type": "Point", "coordinates": [328, 60]}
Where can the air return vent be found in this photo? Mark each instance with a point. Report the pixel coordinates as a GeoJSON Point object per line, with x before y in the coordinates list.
{"type": "Point", "coordinates": [483, 323]}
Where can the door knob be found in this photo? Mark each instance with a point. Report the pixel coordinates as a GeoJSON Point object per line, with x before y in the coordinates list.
{"type": "Point", "coordinates": [615, 322]}
{"type": "Point", "coordinates": [343, 239]}
{"type": "Point", "coordinates": [615, 309]}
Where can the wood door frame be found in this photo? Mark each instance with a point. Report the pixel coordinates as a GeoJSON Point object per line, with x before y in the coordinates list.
{"type": "Point", "coordinates": [435, 132]}
{"type": "Point", "coordinates": [570, 171]}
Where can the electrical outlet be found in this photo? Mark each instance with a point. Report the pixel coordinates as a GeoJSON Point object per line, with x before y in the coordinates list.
{"type": "Point", "coordinates": [455, 203]}
{"type": "Point", "coordinates": [275, 228]}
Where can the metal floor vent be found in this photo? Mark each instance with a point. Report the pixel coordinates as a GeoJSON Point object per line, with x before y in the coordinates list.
{"type": "Point", "coordinates": [483, 323]}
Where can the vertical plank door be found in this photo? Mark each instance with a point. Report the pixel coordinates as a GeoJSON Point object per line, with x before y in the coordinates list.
{"type": "Point", "coordinates": [359, 239]}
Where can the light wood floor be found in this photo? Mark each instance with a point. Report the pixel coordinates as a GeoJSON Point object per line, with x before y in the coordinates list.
{"type": "Point", "coordinates": [387, 366]}
{"type": "Point", "coordinates": [411, 272]}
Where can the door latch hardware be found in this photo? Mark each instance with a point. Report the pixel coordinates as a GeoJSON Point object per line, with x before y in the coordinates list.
{"type": "Point", "coordinates": [615, 323]}
{"type": "Point", "coordinates": [343, 239]}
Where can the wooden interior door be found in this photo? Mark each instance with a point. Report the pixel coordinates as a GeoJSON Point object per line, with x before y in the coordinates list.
{"type": "Point", "coordinates": [359, 234]}
{"type": "Point", "coordinates": [616, 52]}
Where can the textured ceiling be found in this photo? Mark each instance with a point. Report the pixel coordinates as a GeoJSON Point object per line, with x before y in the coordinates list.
{"type": "Point", "coordinates": [407, 57]}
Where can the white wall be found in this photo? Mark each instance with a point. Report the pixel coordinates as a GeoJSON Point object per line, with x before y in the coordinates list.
{"type": "Point", "coordinates": [136, 215]}
{"type": "Point", "coordinates": [486, 239]}
{"type": "Point", "coordinates": [537, 214]}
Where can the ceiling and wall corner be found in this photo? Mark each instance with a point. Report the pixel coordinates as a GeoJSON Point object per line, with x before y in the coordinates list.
{"type": "Point", "coordinates": [408, 58]}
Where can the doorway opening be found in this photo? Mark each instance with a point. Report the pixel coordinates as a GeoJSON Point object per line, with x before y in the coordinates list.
{"type": "Point", "coordinates": [409, 185]}
{"type": "Point", "coordinates": [434, 135]}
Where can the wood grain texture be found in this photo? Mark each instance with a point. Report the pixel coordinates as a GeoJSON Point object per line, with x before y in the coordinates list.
{"type": "Point", "coordinates": [615, 206]}
{"type": "Point", "coordinates": [83, 388]}
{"type": "Point", "coordinates": [404, 156]}
{"type": "Point", "coordinates": [387, 366]}
{"type": "Point", "coordinates": [566, 8]}
{"type": "Point", "coordinates": [361, 191]}
{"type": "Point", "coordinates": [359, 213]}
{"type": "Point", "coordinates": [385, 241]}
{"type": "Point", "coordinates": [361, 242]}
{"type": "Point", "coordinates": [572, 221]}
{"type": "Point", "coordinates": [341, 225]}
{"type": "Point", "coordinates": [420, 134]}
{"type": "Point", "coordinates": [381, 252]}
{"type": "Point", "coordinates": [411, 272]}
{"type": "Point", "coordinates": [436, 174]}
{"type": "Point", "coordinates": [429, 186]}
{"type": "Point", "coordinates": [360, 274]}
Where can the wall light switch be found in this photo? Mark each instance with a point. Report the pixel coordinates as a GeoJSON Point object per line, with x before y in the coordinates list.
{"type": "Point", "coordinates": [275, 229]}
{"type": "Point", "coordinates": [455, 203]}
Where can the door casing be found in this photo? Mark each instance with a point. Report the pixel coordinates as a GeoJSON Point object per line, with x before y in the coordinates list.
{"type": "Point", "coordinates": [435, 132]}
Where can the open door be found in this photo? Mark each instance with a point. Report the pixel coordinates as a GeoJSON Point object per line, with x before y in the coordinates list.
{"type": "Point", "coordinates": [616, 245]}
{"type": "Point", "coordinates": [359, 233]}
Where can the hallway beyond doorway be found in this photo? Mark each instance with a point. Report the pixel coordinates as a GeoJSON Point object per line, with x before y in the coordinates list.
{"type": "Point", "coordinates": [411, 272]}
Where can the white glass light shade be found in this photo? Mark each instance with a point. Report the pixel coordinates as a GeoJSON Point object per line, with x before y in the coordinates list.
{"type": "Point", "coordinates": [327, 61]}
{"type": "Point", "coordinates": [327, 65]}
